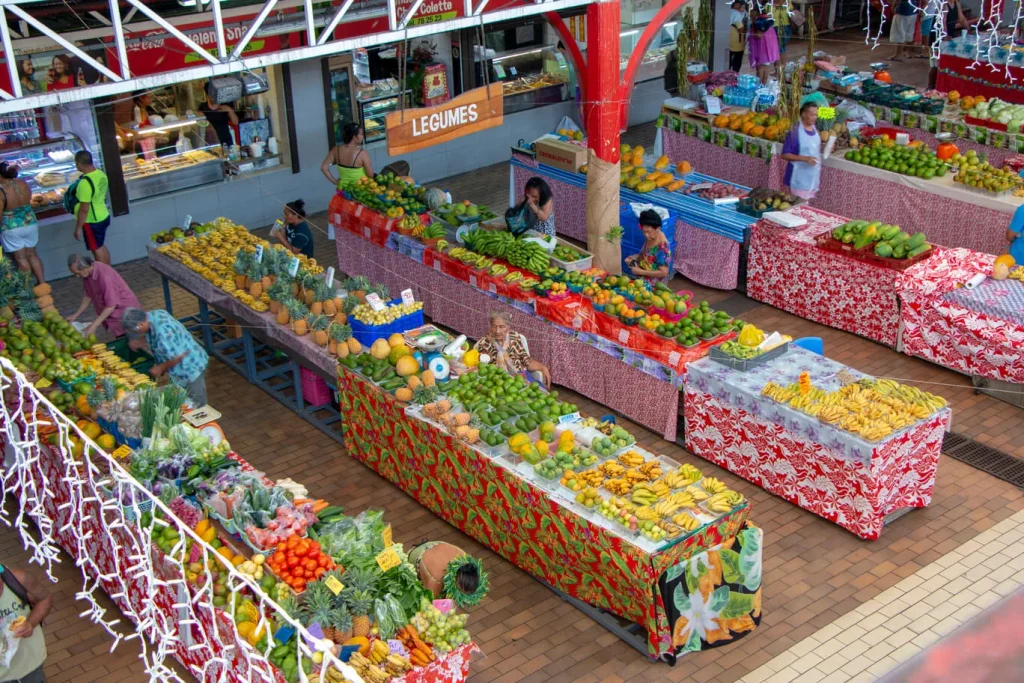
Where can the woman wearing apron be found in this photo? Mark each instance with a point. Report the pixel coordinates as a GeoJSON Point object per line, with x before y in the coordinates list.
{"type": "Point", "coordinates": [352, 160]}
{"type": "Point", "coordinates": [802, 149]}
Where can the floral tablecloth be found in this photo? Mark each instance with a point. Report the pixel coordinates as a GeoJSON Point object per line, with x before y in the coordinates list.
{"type": "Point", "coordinates": [787, 270]}
{"type": "Point", "coordinates": [842, 478]}
{"type": "Point", "coordinates": [549, 538]}
{"type": "Point", "coordinates": [999, 299]}
{"type": "Point", "coordinates": [956, 328]}
{"type": "Point", "coordinates": [610, 373]}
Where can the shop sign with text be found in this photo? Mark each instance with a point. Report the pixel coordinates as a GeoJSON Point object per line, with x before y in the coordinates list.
{"type": "Point", "coordinates": [470, 112]}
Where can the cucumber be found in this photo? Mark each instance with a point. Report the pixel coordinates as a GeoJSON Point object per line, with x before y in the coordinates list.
{"type": "Point", "coordinates": [330, 512]}
{"type": "Point", "coordinates": [899, 251]}
{"type": "Point", "coordinates": [890, 231]}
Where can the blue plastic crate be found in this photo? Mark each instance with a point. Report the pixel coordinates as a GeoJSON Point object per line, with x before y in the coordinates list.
{"type": "Point", "coordinates": [367, 334]}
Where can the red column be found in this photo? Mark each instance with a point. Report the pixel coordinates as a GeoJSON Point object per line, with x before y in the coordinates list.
{"type": "Point", "coordinates": [602, 114]}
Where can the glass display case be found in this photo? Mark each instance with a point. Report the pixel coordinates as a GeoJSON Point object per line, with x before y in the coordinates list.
{"type": "Point", "coordinates": [152, 175]}
{"type": "Point", "coordinates": [531, 78]}
{"type": "Point", "coordinates": [48, 166]}
{"type": "Point", "coordinates": [654, 61]}
{"type": "Point", "coordinates": [372, 111]}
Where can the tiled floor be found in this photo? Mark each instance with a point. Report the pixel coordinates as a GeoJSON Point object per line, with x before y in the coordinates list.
{"type": "Point", "coordinates": [815, 574]}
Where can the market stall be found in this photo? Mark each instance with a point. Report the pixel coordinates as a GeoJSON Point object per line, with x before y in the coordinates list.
{"type": "Point", "coordinates": [816, 446]}
{"type": "Point", "coordinates": [707, 237]}
{"type": "Point", "coordinates": [539, 526]}
{"type": "Point", "coordinates": [847, 188]}
{"type": "Point", "coordinates": [968, 76]}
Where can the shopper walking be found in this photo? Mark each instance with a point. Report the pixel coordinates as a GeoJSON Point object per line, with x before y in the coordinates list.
{"type": "Point", "coordinates": [904, 21]}
{"type": "Point", "coordinates": [106, 290]}
{"type": "Point", "coordinates": [19, 230]}
{"type": "Point", "coordinates": [173, 347]}
{"type": "Point", "coordinates": [352, 160]}
{"type": "Point", "coordinates": [24, 603]}
{"type": "Point", "coordinates": [783, 27]}
{"type": "Point", "coordinates": [91, 215]}
{"type": "Point", "coordinates": [764, 48]}
{"type": "Point", "coordinates": [737, 35]}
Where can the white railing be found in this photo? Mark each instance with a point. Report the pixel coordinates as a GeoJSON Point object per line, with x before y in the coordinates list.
{"type": "Point", "coordinates": [77, 503]}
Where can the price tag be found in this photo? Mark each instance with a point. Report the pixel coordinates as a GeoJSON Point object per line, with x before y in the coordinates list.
{"type": "Point", "coordinates": [293, 267]}
{"type": "Point", "coordinates": [359, 210]}
{"type": "Point", "coordinates": [673, 358]}
{"type": "Point", "coordinates": [512, 70]}
{"type": "Point", "coordinates": [388, 560]}
{"type": "Point", "coordinates": [805, 382]}
{"type": "Point", "coordinates": [560, 59]}
{"type": "Point", "coordinates": [374, 302]}
{"type": "Point", "coordinates": [386, 536]}
{"type": "Point", "coordinates": [472, 280]}
{"type": "Point", "coordinates": [329, 276]}
{"type": "Point", "coordinates": [492, 288]}
{"type": "Point", "coordinates": [337, 219]}
{"type": "Point", "coordinates": [366, 231]}
{"type": "Point", "coordinates": [397, 648]}
{"type": "Point", "coordinates": [259, 253]}
{"type": "Point", "coordinates": [571, 417]}
{"type": "Point", "coordinates": [437, 265]}
{"type": "Point", "coordinates": [316, 631]}
{"type": "Point", "coordinates": [284, 634]}
{"type": "Point", "coordinates": [407, 298]}
{"type": "Point", "coordinates": [187, 223]}
{"type": "Point", "coordinates": [43, 383]}
{"type": "Point", "coordinates": [121, 452]}
{"type": "Point", "coordinates": [445, 605]}
{"type": "Point", "coordinates": [333, 584]}
{"type": "Point", "coordinates": [713, 105]}
{"type": "Point", "coordinates": [623, 336]}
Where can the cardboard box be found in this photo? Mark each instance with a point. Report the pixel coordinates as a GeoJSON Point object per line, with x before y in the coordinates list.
{"type": "Point", "coordinates": [560, 155]}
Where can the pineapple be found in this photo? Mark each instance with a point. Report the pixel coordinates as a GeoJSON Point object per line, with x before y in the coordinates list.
{"type": "Point", "coordinates": [341, 624]}
{"type": "Point", "coordinates": [255, 275]}
{"type": "Point", "coordinates": [338, 336]}
{"type": "Point", "coordinates": [323, 298]}
{"type": "Point", "coordinates": [242, 261]}
{"type": "Point", "coordinates": [423, 394]}
{"type": "Point", "coordinates": [317, 605]}
{"type": "Point", "coordinates": [357, 288]}
{"type": "Point", "coordinates": [380, 290]}
{"type": "Point", "coordinates": [359, 586]}
{"type": "Point", "coordinates": [298, 313]}
{"type": "Point", "coordinates": [350, 305]}
{"type": "Point", "coordinates": [318, 325]}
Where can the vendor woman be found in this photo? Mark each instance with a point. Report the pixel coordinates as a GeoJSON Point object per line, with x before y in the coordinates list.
{"type": "Point", "coordinates": [352, 160]}
{"type": "Point", "coordinates": [508, 350]}
{"type": "Point", "coordinates": [802, 149]}
{"type": "Point", "coordinates": [539, 200]}
{"type": "Point", "coordinates": [449, 572]}
{"type": "Point", "coordinates": [654, 260]}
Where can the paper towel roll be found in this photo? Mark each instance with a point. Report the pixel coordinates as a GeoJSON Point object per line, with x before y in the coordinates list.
{"type": "Point", "coordinates": [975, 281]}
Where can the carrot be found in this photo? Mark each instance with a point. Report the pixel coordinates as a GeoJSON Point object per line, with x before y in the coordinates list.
{"type": "Point", "coordinates": [319, 505]}
{"type": "Point", "coordinates": [301, 501]}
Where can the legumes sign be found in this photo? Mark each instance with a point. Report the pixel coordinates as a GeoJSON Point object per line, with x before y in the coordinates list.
{"type": "Point", "coordinates": [470, 112]}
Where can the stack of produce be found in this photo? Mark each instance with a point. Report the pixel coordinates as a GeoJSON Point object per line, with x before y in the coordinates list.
{"type": "Point", "coordinates": [914, 159]}
{"type": "Point", "coordinates": [977, 173]}
{"type": "Point", "coordinates": [888, 240]}
{"type": "Point", "coordinates": [388, 194]}
{"type": "Point", "coordinates": [758, 125]}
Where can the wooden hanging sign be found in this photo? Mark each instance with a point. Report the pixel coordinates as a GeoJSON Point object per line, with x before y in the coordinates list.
{"type": "Point", "coordinates": [470, 112]}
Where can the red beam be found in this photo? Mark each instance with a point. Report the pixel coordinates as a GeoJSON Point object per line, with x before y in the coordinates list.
{"type": "Point", "coordinates": [636, 58]}
{"type": "Point", "coordinates": [578, 62]}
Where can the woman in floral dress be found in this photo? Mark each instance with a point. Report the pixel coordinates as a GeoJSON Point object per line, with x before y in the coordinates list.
{"type": "Point", "coordinates": [654, 260]}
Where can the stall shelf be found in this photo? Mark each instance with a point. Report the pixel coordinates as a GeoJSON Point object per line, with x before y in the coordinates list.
{"type": "Point", "coordinates": [690, 215]}
{"type": "Point", "coordinates": [48, 167]}
{"type": "Point", "coordinates": [938, 206]}
{"type": "Point", "coordinates": [567, 547]}
{"type": "Point", "coordinates": [818, 466]}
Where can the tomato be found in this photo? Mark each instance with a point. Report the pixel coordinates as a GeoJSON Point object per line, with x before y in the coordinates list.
{"type": "Point", "coordinates": [300, 586]}
{"type": "Point", "coordinates": [281, 546]}
{"type": "Point", "coordinates": [309, 564]}
{"type": "Point", "coordinates": [320, 571]}
{"type": "Point", "coordinates": [293, 560]}
{"type": "Point", "coordinates": [293, 541]}
{"type": "Point", "coordinates": [279, 557]}
{"type": "Point", "coordinates": [322, 561]}
{"type": "Point", "coordinates": [314, 547]}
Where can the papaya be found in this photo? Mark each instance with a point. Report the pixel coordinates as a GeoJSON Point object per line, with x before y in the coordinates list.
{"type": "Point", "coordinates": [633, 182]}
{"type": "Point", "coordinates": [916, 241]}
{"type": "Point", "coordinates": [849, 237]}
{"type": "Point", "coordinates": [664, 181]}
{"type": "Point", "coordinates": [661, 163]}
{"type": "Point", "coordinates": [890, 231]}
{"type": "Point", "coordinates": [676, 185]}
{"type": "Point", "coordinates": [645, 186]}
{"type": "Point", "coordinates": [917, 250]}
{"type": "Point", "coordinates": [899, 251]}
{"type": "Point", "coordinates": [838, 233]}
{"type": "Point", "coordinates": [883, 249]}
{"type": "Point", "coordinates": [900, 238]}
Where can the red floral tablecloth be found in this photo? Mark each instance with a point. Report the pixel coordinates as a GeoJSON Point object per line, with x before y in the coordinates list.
{"type": "Point", "coordinates": [968, 78]}
{"type": "Point", "coordinates": [787, 270]}
{"type": "Point", "coordinates": [951, 333]}
{"type": "Point", "coordinates": [524, 524]}
{"type": "Point", "coordinates": [854, 496]}
{"type": "Point", "coordinates": [646, 395]}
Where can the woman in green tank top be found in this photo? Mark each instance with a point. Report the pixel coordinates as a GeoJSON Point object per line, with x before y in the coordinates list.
{"type": "Point", "coordinates": [352, 160]}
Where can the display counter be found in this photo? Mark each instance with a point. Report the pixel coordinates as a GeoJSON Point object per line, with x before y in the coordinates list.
{"type": "Point", "coordinates": [48, 167]}
{"type": "Point", "coordinates": [938, 206]}
{"type": "Point", "coordinates": [816, 464]}
{"type": "Point", "coordinates": [161, 175]}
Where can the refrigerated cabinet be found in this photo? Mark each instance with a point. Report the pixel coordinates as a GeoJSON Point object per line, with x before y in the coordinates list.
{"type": "Point", "coordinates": [373, 110]}
{"type": "Point", "coordinates": [48, 167]}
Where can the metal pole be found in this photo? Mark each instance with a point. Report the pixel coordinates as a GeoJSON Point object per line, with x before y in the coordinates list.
{"type": "Point", "coordinates": [218, 25]}
{"type": "Point", "coordinates": [122, 52]}
{"type": "Point", "coordinates": [12, 62]}
{"type": "Point", "coordinates": [268, 7]}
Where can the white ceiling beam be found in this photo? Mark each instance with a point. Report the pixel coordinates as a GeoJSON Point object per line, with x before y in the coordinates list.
{"type": "Point", "coordinates": [328, 31]}
{"type": "Point", "coordinates": [173, 30]}
{"type": "Point", "coordinates": [307, 11]}
{"type": "Point", "coordinates": [122, 52]}
{"type": "Point", "coordinates": [55, 37]}
{"type": "Point", "coordinates": [410, 14]}
{"type": "Point", "coordinates": [12, 64]}
{"type": "Point", "coordinates": [268, 7]}
{"type": "Point", "coordinates": [218, 26]}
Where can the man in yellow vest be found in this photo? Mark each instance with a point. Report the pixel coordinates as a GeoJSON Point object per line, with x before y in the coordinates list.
{"type": "Point", "coordinates": [24, 603]}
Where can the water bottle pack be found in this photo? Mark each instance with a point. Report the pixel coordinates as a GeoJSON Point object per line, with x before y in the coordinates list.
{"type": "Point", "coordinates": [735, 96]}
{"type": "Point", "coordinates": [748, 82]}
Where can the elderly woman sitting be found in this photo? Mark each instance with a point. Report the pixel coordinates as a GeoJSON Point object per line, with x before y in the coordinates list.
{"type": "Point", "coordinates": [509, 350]}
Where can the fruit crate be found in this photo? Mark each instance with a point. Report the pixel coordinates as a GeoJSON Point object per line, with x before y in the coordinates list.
{"type": "Point", "coordinates": [745, 207]}
{"type": "Point", "coordinates": [746, 364]}
{"type": "Point", "coordinates": [69, 387]}
{"type": "Point", "coordinates": [867, 254]}
{"type": "Point", "coordinates": [367, 334]}
{"type": "Point", "coordinates": [140, 362]}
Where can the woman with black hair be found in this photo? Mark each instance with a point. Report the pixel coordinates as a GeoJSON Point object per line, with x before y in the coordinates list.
{"type": "Point", "coordinates": [26, 76]}
{"type": "Point", "coordinates": [19, 231]}
{"type": "Point", "coordinates": [296, 236]}
{"type": "Point", "coordinates": [352, 160]}
{"type": "Point", "coordinates": [539, 200]}
{"type": "Point", "coordinates": [447, 571]}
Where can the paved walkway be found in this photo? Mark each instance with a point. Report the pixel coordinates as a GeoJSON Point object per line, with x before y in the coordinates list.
{"type": "Point", "coordinates": [830, 598]}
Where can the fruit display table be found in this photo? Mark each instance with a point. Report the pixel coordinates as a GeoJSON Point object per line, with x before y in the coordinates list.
{"type": "Point", "coordinates": [938, 206]}
{"type": "Point", "coordinates": [702, 591]}
{"type": "Point", "coordinates": [817, 465]}
{"type": "Point", "coordinates": [960, 74]}
{"type": "Point", "coordinates": [978, 332]}
{"type": "Point", "coordinates": [786, 269]}
{"type": "Point", "coordinates": [603, 370]}
{"type": "Point", "coordinates": [707, 237]}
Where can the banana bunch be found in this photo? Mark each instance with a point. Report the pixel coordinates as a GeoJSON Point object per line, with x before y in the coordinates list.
{"type": "Point", "coordinates": [514, 276]}
{"type": "Point", "coordinates": [724, 501]}
{"type": "Point", "coordinates": [644, 495]}
{"type": "Point", "coordinates": [661, 489]}
{"type": "Point", "coordinates": [611, 469]}
{"type": "Point", "coordinates": [528, 282]}
{"type": "Point", "coordinates": [779, 393]}
{"type": "Point", "coordinates": [498, 269]}
{"type": "Point", "coordinates": [651, 469]}
{"type": "Point", "coordinates": [713, 486]}
{"type": "Point", "coordinates": [528, 255]}
{"type": "Point", "coordinates": [590, 478]}
{"type": "Point", "coordinates": [459, 252]}
{"type": "Point", "coordinates": [682, 477]}
{"type": "Point", "coordinates": [631, 459]}
{"type": "Point", "coordinates": [687, 521]}
{"type": "Point", "coordinates": [492, 243]}
{"type": "Point", "coordinates": [635, 477]}
{"type": "Point", "coordinates": [667, 507]}
{"type": "Point", "coordinates": [379, 651]}
{"type": "Point", "coordinates": [832, 413]}
{"type": "Point", "coordinates": [397, 666]}
{"type": "Point", "coordinates": [333, 675]}
{"type": "Point", "coordinates": [875, 431]}
{"type": "Point", "coordinates": [683, 499]}
{"type": "Point", "coordinates": [697, 493]}
{"type": "Point", "coordinates": [619, 487]}
{"type": "Point", "coordinates": [648, 513]}
{"type": "Point", "coordinates": [367, 669]}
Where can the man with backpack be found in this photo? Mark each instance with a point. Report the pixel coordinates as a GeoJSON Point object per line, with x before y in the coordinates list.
{"type": "Point", "coordinates": [89, 197]}
{"type": "Point", "coordinates": [24, 603]}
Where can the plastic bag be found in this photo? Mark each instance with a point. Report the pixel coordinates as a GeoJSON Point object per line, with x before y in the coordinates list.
{"type": "Point", "coordinates": [856, 112]}
{"type": "Point", "coordinates": [519, 219]}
